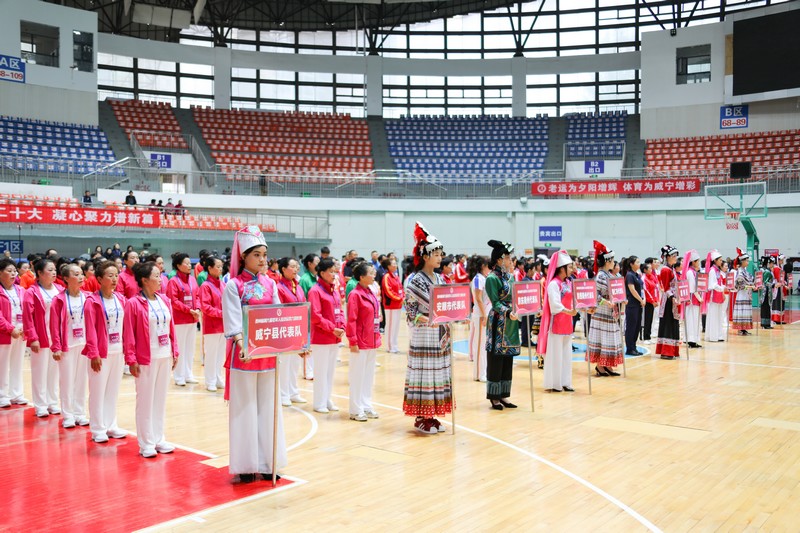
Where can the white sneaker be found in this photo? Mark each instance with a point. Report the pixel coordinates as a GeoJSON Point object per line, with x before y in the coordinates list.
{"type": "Point", "coordinates": [220, 385]}
{"type": "Point", "coordinates": [287, 403]}
{"type": "Point", "coordinates": [211, 388]}
{"type": "Point", "coordinates": [360, 417]}
{"type": "Point", "coordinates": [126, 370]}
{"type": "Point", "coordinates": [648, 342]}
{"type": "Point", "coordinates": [147, 454]}
{"type": "Point", "coordinates": [323, 410]}
{"type": "Point", "coordinates": [165, 447]}
{"type": "Point", "coordinates": [54, 410]}
{"type": "Point", "coordinates": [298, 399]}
{"type": "Point", "coordinates": [371, 413]}
{"type": "Point", "coordinates": [82, 421]}
{"type": "Point", "coordinates": [5, 402]}
{"type": "Point", "coordinates": [377, 364]}
{"type": "Point", "coordinates": [42, 413]}
{"type": "Point", "coordinates": [100, 438]}
{"type": "Point", "coordinates": [19, 401]}
{"type": "Point", "coordinates": [68, 423]}
{"type": "Point", "coordinates": [192, 381]}
{"type": "Point", "coordinates": [180, 383]}
{"type": "Point", "coordinates": [332, 407]}
{"type": "Point", "coordinates": [117, 433]}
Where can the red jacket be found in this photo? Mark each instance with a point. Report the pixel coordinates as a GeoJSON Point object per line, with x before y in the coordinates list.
{"type": "Point", "coordinates": [460, 274]}
{"type": "Point", "coordinates": [363, 319]}
{"type": "Point", "coordinates": [211, 305]}
{"type": "Point", "coordinates": [33, 317]}
{"type": "Point", "coordinates": [6, 320]}
{"type": "Point", "coordinates": [136, 330]}
{"type": "Point", "coordinates": [326, 313]}
{"type": "Point", "coordinates": [90, 284]}
{"type": "Point", "coordinates": [290, 291]}
{"type": "Point", "coordinates": [96, 327]}
{"type": "Point", "coordinates": [392, 290]}
{"type": "Point", "coordinates": [126, 284]}
{"type": "Point", "coordinates": [60, 320]}
{"type": "Point", "coordinates": [651, 293]}
{"type": "Point", "coordinates": [182, 294]}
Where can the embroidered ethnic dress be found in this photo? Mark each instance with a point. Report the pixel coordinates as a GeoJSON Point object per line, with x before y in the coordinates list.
{"type": "Point", "coordinates": [604, 345]}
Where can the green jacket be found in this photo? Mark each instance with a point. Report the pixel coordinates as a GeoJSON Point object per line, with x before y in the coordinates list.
{"type": "Point", "coordinates": [307, 280]}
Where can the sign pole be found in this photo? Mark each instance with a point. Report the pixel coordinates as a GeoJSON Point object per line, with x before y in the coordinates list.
{"type": "Point", "coordinates": [530, 359]}
{"type": "Point", "coordinates": [622, 339]}
{"type": "Point", "coordinates": [452, 381]}
{"type": "Point", "coordinates": [276, 403]}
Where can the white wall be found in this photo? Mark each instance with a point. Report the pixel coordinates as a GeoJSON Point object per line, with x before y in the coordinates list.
{"type": "Point", "coordinates": [60, 94]}
{"type": "Point", "coordinates": [639, 226]}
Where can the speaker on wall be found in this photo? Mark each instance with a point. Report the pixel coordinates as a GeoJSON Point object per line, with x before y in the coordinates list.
{"type": "Point", "coordinates": [741, 170]}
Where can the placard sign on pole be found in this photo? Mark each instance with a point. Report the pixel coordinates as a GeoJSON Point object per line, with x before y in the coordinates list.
{"type": "Point", "coordinates": [790, 281]}
{"type": "Point", "coordinates": [269, 330]}
{"type": "Point", "coordinates": [585, 293]}
{"type": "Point", "coordinates": [683, 291]}
{"type": "Point", "coordinates": [616, 290]}
{"type": "Point", "coordinates": [450, 303]}
{"type": "Point", "coordinates": [702, 282]}
{"type": "Point", "coordinates": [730, 280]}
{"type": "Point", "coordinates": [526, 300]}
{"type": "Point", "coordinates": [759, 280]}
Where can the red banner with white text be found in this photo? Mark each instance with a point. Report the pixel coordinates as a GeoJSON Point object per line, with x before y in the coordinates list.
{"type": "Point", "coordinates": [632, 186]}
{"type": "Point", "coordinates": [77, 216]}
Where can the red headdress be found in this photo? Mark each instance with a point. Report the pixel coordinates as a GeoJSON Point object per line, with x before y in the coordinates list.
{"type": "Point", "coordinates": [600, 249]}
{"type": "Point", "coordinates": [424, 244]}
{"type": "Point", "coordinates": [740, 256]}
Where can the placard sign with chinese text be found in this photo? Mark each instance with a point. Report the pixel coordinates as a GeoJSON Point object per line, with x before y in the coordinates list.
{"type": "Point", "coordinates": [526, 297]}
{"type": "Point", "coordinates": [272, 329]}
{"type": "Point", "coordinates": [585, 293]}
{"type": "Point", "coordinates": [616, 290]}
{"type": "Point", "coordinates": [759, 280]}
{"type": "Point", "coordinates": [450, 303]}
{"type": "Point", "coordinates": [730, 280]}
{"type": "Point", "coordinates": [683, 291]}
{"type": "Point", "coordinates": [702, 282]}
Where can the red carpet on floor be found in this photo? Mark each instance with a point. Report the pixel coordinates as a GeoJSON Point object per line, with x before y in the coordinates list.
{"type": "Point", "coordinates": [57, 479]}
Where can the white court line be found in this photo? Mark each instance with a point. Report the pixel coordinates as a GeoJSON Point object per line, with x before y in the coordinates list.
{"type": "Point", "coordinates": [311, 432]}
{"type": "Point", "coordinates": [296, 482]}
{"type": "Point", "coordinates": [597, 490]}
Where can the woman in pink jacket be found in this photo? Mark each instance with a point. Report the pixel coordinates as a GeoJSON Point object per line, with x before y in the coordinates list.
{"type": "Point", "coordinates": [213, 332]}
{"type": "Point", "coordinates": [35, 319]}
{"type": "Point", "coordinates": [67, 339]}
{"type": "Point", "coordinates": [364, 334]}
{"type": "Point", "coordinates": [105, 318]}
{"type": "Point", "coordinates": [148, 342]}
{"type": "Point", "coordinates": [290, 292]}
{"type": "Point", "coordinates": [393, 296]}
{"type": "Point", "coordinates": [182, 293]}
{"type": "Point", "coordinates": [126, 284]}
{"type": "Point", "coordinates": [12, 340]}
{"type": "Point", "coordinates": [327, 329]}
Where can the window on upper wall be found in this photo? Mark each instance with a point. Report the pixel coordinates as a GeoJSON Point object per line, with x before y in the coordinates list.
{"type": "Point", "coordinates": [693, 64]}
{"type": "Point", "coordinates": [83, 51]}
{"type": "Point", "coordinates": [39, 44]}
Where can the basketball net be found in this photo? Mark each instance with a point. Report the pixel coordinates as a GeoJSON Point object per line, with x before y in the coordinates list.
{"type": "Point", "coordinates": [732, 220]}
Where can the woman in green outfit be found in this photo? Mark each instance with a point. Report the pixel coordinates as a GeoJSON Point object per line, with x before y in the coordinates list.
{"type": "Point", "coordinates": [309, 277]}
{"type": "Point", "coordinates": [502, 327]}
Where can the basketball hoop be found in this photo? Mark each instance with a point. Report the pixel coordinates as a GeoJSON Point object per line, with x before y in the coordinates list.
{"type": "Point", "coordinates": [732, 220]}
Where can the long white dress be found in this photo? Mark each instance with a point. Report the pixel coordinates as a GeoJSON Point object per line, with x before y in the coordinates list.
{"type": "Point", "coordinates": [716, 317]}
{"type": "Point", "coordinates": [692, 311]}
{"type": "Point", "coordinates": [558, 358]}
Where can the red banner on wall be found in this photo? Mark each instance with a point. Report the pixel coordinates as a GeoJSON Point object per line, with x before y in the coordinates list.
{"type": "Point", "coordinates": [450, 303]}
{"type": "Point", "coordinates": [77, 216]}
{"type": "Point", "coordinates": [633, 186]}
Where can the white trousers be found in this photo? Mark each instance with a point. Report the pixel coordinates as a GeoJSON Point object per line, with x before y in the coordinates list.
{"type": "Point", "coordinates": [44, 380]}
{"type": "Point", "coordinates": [693, 325]}
{"type": "Point", "coordinates": [11, 356]}
{"type": "Point", "coordinates": [308, 366]}
{"type": "Point", "coordinates": [477, 347]}
{"type": "Point", "coordinates": [290, 366]}
{"type": "Point", "coordinates": [392, 330]}
{"type": "Point", "coordinates": [103, 394]}
{"type": "Point", "coordinates": [558, 362]}
{"type": "Point", "coordinates": [72, 378]}
{"type": "Point", "coordinates": [324, 367]}
{"type": "Point", "coordinates": [185, 337]}
{"type": "Point", "coordinates": [250, 424]}
{"type": "Point", "coordinates": [716, 322]}
{"type": "Point", "coordinates": [214, 344]}
{"type": "Point", "coordinates": [362, 376]}
{"type": "Point", "coordinates": [151, 403]}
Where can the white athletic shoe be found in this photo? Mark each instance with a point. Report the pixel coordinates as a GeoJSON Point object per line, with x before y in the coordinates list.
{"type": "Point", "coordinates": [100, 438]}
{"type": "Point", "coordinates": [5, 402]}
{"type": "Point", "coordinates": [147, 454]}
{"type": "Point", "coordinates": [82, 421]}
{"type": "Point", "coordinates": [298, 399]}
{"type": "Point", "coordinates": [371, 413]}
{"type": "Point", "coordinates": [68, 423]}
{"type": "Point", "coordinates": [117, 433]}
{"type": "Point", "coordinates": [332, 407]}
{"type": "Point", "coordinates": [19, 401]}
{"type": "Point", "coordinates": [360, 417]}
{"type": "Point", "coordinates": [165, 447]}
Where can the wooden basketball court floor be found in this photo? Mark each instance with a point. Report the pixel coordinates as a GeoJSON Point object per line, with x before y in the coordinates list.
{"type": "Point", "coordinates": [706, 444]}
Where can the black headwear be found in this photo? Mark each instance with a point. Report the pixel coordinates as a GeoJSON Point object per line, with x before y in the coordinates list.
{"type": "Point", "coordinates": [499, 249]}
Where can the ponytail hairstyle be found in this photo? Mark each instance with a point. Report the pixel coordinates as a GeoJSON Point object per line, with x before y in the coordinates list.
{"type": "Point", "coordinates": [627, 262]}
{"type": "Point", "coordinates": [308, 260]}
{"type": "Point", "coordinates": [475, 265]}
{"type": "Point", "coordinates": [361, 270]}
{"type": "Point", "coordinates": [208, 261]}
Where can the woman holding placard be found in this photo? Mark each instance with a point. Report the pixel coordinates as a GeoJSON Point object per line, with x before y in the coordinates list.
{"type": "Point", "coordinates": [744, 285]}
{"type": "Point", "coordinates": [668, 341]}
{"type": "Point", "coordinates": [502, 327]}
{"type": "Point", "coordinates": [691, 310]}
{"type": "Point", "coordinates": [714, 299]}
{"type": "Point", "coordinates": [250, 383]}
{"type": "Point", "coordinates": [428, 391]}
{"type": "Point", "coordinates": [556, 326]}
{"type": "Point", "coordinates": [604, 345]}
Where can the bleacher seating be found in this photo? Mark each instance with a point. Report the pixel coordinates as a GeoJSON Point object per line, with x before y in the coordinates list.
{"type": "Point", "coordinates": [764, 149]}
{"type": "Point", "coordinates": [155, 120]}
{"type": "Point", "coordinates": [472, 149]}
{"type": "Point", "coordinates": [607, 125]}
{"type": "Point", "coordinates": [589, 150]}
{"type": "Point", "coordinates": [286, 146]}
{"type": "Point", "coordinates": [40, 146]}
{"type": "Point", "coordinates": [31, 199]}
